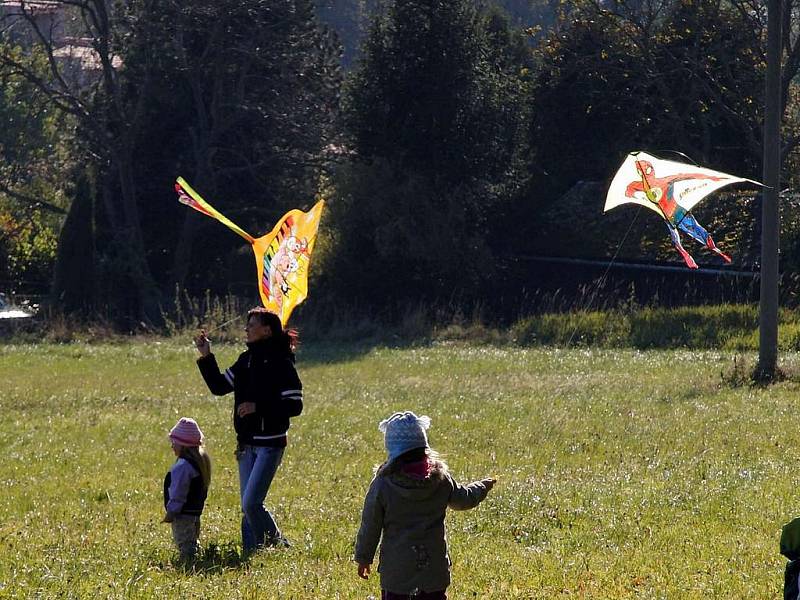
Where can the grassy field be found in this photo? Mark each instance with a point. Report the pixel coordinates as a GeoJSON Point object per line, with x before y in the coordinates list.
{"type": "Point", "coordinates": [622, 474]}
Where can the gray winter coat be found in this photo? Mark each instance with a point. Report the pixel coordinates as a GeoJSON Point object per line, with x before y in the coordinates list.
{"type": "Point", "coordinates": [410, 514]}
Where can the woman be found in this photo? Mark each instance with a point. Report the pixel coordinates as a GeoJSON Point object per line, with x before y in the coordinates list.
{"type": "Point", "coordinates": [266, 392]}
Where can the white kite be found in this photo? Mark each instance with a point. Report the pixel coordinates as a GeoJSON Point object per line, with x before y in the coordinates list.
{"type": "Point", "coordinates": [671, 189]}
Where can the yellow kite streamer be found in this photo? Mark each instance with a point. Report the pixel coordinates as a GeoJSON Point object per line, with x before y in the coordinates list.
{"type": "Point", "coordinates": [283, 255]}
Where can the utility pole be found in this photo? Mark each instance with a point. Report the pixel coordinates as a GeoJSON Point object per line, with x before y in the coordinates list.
{"type": "Point", "coordinates": [770, 220]}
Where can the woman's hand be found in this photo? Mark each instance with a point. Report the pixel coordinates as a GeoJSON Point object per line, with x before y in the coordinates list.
{"type": "Point", "coordinates": [363, 571]}
{"type": "Point", "coordinates": [202, 343]}
{"type": "Point", "coordinates": [246, 408]}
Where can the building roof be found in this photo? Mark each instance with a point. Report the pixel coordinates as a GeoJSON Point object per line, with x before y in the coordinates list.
{"type": "Point", "coordinates": [34, 8]}
{"type": "Point", "coordinates": [88, 57]}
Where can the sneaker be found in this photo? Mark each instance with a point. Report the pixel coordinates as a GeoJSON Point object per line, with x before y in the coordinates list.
{"type": "Point", "coordinates": [277, 542]}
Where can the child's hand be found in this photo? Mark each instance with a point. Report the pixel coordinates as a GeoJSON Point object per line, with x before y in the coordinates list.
{"type": "Point", "coordinates": [489, 483]}
{"type": "Point", "coordinates": [168, 518]}
{"type": "Point", "coordinates": [363, 571]}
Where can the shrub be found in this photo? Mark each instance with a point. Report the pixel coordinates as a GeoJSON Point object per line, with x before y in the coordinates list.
{"type": "Point", "coordinates": [723, 327]}
{"type": "Point", "coordinates": [692, 327]}
{"type": "Point", "coordinates": [573, 329]}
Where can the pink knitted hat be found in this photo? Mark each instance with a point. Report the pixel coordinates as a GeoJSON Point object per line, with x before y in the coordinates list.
{"type": "Point", "coordinates": [186, 433]}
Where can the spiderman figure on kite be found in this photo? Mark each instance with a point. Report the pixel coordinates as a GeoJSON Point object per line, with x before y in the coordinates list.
{"type": "Point", "coordinates": [660, 191]}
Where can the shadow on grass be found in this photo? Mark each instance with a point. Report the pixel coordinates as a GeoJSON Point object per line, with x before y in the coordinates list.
{"type": "Point", "coordinates": [212, 559]}
{"type": "Point", "coordinates": [320, 351]}
{"type": "Point", "coordinates": [215, 559]}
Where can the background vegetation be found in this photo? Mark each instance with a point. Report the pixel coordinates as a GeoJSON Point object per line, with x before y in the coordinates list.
{"type": "Point", "coordinates": [453, 140]}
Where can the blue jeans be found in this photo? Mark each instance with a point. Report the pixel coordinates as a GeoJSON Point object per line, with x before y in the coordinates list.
{"type": "Point", "coordinates": [257, 467]}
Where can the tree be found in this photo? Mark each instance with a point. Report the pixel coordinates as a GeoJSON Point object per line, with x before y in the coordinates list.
{"type": "Point", "coordinates": [434, 112]}
{"type": "Point", "coordinates": [664, 76]}
{"type": "Point", "coordinates": [686, 77]}
{"type": "Point", "coordinates": [238, 96]}
{"type": "Point", "coordinates": [106, 119]}
{"type": "Point", "coordinates": [243, 102]}
{"type": "Point", "coordinates": [33, 155]}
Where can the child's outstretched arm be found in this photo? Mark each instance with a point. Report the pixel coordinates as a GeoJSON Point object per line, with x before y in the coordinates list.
{"type": "Point", "coordinates": [464, 497]}
{"type": "Point", "coordinates": [369, 534]}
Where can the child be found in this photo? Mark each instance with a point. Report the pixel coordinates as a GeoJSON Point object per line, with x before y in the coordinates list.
{"type": "Point", "coordinates": [186, 486]}
{"type": "Point", "coordinates": [406, 504]}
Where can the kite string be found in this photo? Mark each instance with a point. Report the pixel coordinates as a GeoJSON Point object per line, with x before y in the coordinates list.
{"type": "Point", "coordinates": [602, 279]}
{"type": "Point", "coordinates": [228, 322]}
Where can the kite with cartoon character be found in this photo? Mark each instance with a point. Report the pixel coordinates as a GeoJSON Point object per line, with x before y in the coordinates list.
{"type": "Point", "coordinates": [282, 255]}
{"type": "Point", "coordinates": [672, 194]}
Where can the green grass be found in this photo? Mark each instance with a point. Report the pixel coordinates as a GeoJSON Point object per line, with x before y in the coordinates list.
{"type": "Point", "coordinates": [622, 473]}
{"type": "Point", "coordinates": [731, 327]}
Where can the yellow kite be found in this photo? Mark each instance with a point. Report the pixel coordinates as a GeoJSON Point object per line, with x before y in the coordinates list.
{"type": "Point", "coordinates": [282, 256]}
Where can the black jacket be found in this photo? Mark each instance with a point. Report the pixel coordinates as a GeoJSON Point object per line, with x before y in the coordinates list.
{"type": "Point", "coordinates": [263, 375]}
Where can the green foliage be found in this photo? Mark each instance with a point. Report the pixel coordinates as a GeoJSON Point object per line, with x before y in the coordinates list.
{"type": "Point", "coordinates": [616, 478]}
{"type": "Point", "coordinates": [33, 154]}
{"type": "Point", "coordinates": [790, 239]}
{"type": "Point", "coordinates": [74, 275]}
{"type": "Point", "coordinates": [615, 82]}
{"type": "Point", "coordinates": [28, 241]}
{"type": "Point", "coordinates": [686, 79]}
{"type": "Point", "coordinates": [702, 327]}
{"type": "Point", "coordinates": [437, 90]}
{"type": "Point", "coordinates": [722, 327]}
{"type": "Point", "coordinates": [586, 109]}
{"type": "Point", "coordinates": [240, 98]}
{"type": "Point", "coordinates": [389, 221]}
{"type": "Point", "coordinates": [436, 116]}
{"type": "Point", "coordinates": [595, 328]}
{"type": "Point", "coordinates": [34, 134]}
{"type": "Point", "coordinates": [351, 18]}
{"type": "Point", "coordinates": [456, 142]}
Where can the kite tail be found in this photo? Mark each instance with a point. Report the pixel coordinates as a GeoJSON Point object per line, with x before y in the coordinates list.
{"type": "Point", "coordinates": [713, 247]}
{"type": "Point", "coordinates": [676, 241]}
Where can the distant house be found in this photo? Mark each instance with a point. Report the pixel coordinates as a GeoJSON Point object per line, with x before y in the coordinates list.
{"type": "Point", "coordinates": [26, 23]}
{"type": "Point", "coordinates": [16, 17]}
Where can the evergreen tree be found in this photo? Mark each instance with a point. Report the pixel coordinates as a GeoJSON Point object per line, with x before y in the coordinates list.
{"type": "Point", "coordinates": [434, 110]}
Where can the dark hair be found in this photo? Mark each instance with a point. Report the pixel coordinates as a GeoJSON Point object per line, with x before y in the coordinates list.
{"type": "Point", "coordinates": [285, 339]}
{"type": "Point", "coordinates": [410, 456]}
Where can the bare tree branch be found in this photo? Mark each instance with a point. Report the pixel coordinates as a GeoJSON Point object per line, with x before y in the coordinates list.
{"type": "Point", "coordinates": [30, 200]}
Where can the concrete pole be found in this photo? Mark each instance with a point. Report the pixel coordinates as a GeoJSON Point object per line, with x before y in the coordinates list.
{"type": "Point", "coordinates": [770, 221]}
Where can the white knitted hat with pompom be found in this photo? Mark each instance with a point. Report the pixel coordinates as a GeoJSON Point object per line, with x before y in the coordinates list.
{"type": "Point", "coordinates": [404, 431]}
